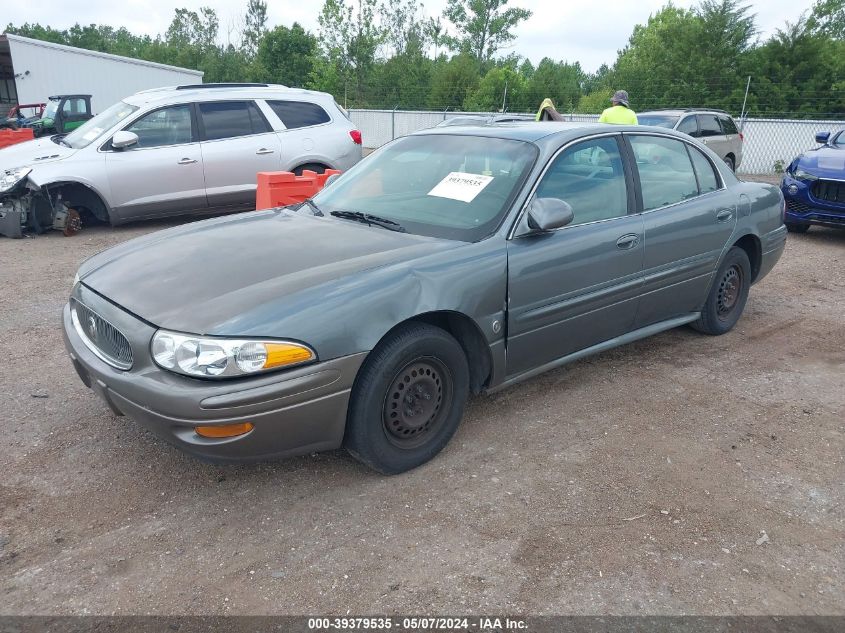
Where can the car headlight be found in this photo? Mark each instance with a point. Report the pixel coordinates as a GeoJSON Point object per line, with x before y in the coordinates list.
{"type": "Point", "coordinates": [800, 174]}
{"type": "Point", "coordinates": [11, 177]}
{"type": "Point", "coordinates": [208, 357]}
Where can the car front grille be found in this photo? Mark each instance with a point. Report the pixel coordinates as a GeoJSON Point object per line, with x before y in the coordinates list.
{"type": "Point", "coordinates": [101, 337]}
{"type": "Point", "coordinates": [829, 191]}
{"type": "Point", "coordinates": [797, 206]}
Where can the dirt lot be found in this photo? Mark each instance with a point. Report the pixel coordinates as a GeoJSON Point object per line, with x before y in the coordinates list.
{"type": "Point", "coordinates": [643, 480]}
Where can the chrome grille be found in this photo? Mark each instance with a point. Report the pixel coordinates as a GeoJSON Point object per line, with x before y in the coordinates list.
{"type": "Point", "coordinates": [829, 190]}
{"type": "Point", "coordinates": [101, 337]}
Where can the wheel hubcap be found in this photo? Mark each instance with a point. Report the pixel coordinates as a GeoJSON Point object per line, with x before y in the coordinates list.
{"type": "Point", "coordinates": [729, 290]}
{"type": "Point", "coordinates": [414, 406]}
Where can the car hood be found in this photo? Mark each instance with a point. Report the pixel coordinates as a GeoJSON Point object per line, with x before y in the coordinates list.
{"type": "Point", "coordinates": [33, 153]}
{"type": "Point", "coordinates": [203, 277]}
{"type": "Point", "coordinates": [825, 162]}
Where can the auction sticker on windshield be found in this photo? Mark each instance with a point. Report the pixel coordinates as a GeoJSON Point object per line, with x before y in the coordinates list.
{"type": "Point", "coordinates": [461, 186]}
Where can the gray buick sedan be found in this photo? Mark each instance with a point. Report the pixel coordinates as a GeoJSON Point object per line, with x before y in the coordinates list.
{"type": "Point", "coordinates": [455, 260]}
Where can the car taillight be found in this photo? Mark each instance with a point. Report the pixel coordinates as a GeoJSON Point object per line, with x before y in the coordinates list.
{"type": "Point", "coordinates": [356, 136]}
{"type": "Point", "coordinates": [741, 136]}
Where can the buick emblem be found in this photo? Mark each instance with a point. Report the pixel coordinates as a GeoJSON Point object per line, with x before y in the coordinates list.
{"type": "Point", "coordinates": [92, 328]}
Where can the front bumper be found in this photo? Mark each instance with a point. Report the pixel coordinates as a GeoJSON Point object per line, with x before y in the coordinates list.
{"type": "Point", "coordinates": [298, 411]}
{"type": "Point", "coordinates": [803, 208]}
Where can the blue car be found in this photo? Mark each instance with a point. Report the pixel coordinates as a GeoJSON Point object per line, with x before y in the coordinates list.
{"type": "Point", "coordinates": [814, 185]}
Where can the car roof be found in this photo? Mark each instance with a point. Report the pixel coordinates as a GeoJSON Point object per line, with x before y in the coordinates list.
{"type": "Point", "coordinates": [531, 131]}
{"type": "Point", "coordinates": [222, 92]}
{"type": "Point", "coordinates": [543, 132]}
{"type": "Point", "coordinates": [680, 111]}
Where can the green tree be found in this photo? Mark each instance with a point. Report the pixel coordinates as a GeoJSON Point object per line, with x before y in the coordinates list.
{"type": "Point", "coordinates": [255, 27]}
{"type": "Point", "coordinates": [405, 29]}
{"type": "Point", "coordinates": [483, 26]}
{"type": "Point", "coordinates": [502, 89]}
{"type": "Point", "coordinates": [665, 64]}
{"type": "Point", "coordinates": [350, 37]}
{"type": "Point", "coordinates": [286, 56]}
{"type": "Point", "coordinates": [828, 18]}
{"type": "Point", "coordinates": [558, 81]}
{"type": "Point", "coordinates": [452, 81]}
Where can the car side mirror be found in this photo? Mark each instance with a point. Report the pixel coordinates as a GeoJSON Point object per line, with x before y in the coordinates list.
{"type": "Point", "coordinates": [330, 180]}
{"type": "Point", "coordinates": [124, 139]}
{"type": "Point", "coordinates": [822, 137]}
{"type": "Point", "coordinates": [548, 214]}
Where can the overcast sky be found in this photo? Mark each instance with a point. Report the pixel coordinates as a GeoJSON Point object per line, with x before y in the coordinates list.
{"type": "Point", "coordinates": [588, 32]}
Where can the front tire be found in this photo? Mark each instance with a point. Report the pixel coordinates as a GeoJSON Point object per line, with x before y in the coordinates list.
{"type": "Point", "coordinates": [408, 399]}
{"type": "Point", "coordinates": [797, 228]}
{"type": "Point", "coordinates": [728, 294]}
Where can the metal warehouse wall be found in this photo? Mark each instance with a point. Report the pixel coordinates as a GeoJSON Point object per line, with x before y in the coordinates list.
{"type": "Point", "coordinates": [770, 144]}
{"type": "Point", "coordinates": [56, 69]}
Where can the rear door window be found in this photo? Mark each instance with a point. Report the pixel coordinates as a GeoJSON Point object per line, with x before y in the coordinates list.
{"type": "Point", "coordinates": [707, 180]}
{"type": "Point", "coordinates": [688, 126]}
{"type": "Point", "coordinates": [666, 173]}
{"type": "Point", "coordinates": [709, 125]}
{"type": "Point", "coordinates": [296, 114]}
{"type": "Point", "coordinates": [230, 119]}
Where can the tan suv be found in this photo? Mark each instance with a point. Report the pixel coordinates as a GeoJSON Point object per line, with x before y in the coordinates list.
{"type": "Point", "coordinates": [715, 128]}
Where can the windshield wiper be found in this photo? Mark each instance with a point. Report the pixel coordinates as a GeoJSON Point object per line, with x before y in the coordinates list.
{"type": "Point", "coordinates": [313, 205]}
{"type": "Point", "coordinates": [371, 220]}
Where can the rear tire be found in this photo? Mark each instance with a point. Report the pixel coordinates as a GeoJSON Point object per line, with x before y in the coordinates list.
{"type": "Point", "coordinates": [408, 399]}
{"type": "Point", "coordinates": [728, 295]}
{"type": "Point", "coordinates": [729, 161]}
{"type": "Point", "coordinates": [315, 167]}
{"type": "Point", "coordinates": [797, 228]}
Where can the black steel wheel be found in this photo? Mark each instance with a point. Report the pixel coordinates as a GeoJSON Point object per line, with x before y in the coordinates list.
{"type": "Point", "coordinates": [417, 402]}
{"type": "Point", "coordinates": [408, 399]}
{"type": "Point", "coordinates": [728, 294]}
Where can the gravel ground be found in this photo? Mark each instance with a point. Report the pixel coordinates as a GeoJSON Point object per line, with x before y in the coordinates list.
{"type": "Point", "coordinates": [681, 474]}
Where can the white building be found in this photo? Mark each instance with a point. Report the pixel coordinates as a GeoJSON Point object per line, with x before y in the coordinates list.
{"type": "Point", "coordinates": [32, 70]}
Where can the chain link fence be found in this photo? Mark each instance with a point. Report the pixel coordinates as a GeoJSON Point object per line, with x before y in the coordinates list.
{"type": "Point", "coordinates": [768, 148]}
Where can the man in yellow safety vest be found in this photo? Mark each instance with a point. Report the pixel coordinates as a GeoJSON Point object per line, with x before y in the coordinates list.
{"type": "Point", "coordinates": [620, 113]}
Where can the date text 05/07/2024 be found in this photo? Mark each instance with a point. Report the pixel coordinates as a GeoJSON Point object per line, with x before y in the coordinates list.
{"type": "Point", "coordinates": [483, 624]}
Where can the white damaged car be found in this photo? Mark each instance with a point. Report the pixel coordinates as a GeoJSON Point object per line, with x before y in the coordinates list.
{"type": "Point", "coordinates": [172, 151]}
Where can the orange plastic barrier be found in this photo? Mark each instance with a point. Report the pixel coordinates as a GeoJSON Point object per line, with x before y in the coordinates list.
{"type": "Point", "coordinates": [281, 188]}
{"type": "Point", "coordinates": [10, 137]}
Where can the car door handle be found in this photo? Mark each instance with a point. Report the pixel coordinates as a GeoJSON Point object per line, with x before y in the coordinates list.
{"type": "Point", "coordinates": [724, 215]}
{"type": "Point", "coordinates": [628, 241]}
{"type": "Point", "coordinates": [264, 150]}
{"type": "Point", "coordinates": [187, 161]}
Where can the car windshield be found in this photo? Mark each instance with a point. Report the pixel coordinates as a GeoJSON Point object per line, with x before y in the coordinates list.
{"type": "Point", "coordinates": [453, 187]}
{"type": "Point", "coordinates": [51, 109]}
{"type": "Point", "coordinates": [840, 140]}
{"type": "Point", "coordinates": [94, 128]}
{"type": "Point", "coordinates": [658, 120]}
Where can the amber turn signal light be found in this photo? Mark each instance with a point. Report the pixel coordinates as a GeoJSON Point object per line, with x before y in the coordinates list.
{"type": "Point", "coordinates": [224, 430]}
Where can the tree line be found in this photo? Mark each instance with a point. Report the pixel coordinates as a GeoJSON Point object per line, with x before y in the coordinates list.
{"type": "Point", "coordinates": [390, 54]}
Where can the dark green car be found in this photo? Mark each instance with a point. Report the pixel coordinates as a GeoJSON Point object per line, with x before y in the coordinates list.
{"type": "Point", "coordinates": [455, 260]}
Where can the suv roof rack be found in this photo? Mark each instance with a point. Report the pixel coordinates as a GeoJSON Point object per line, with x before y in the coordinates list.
{"type": "Point", "coordinates": [687, 110]}
{"type": "Point", "coordinates": [221, 85]}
